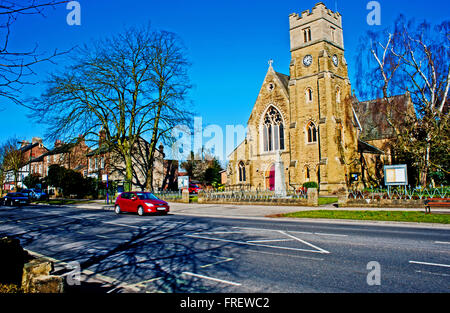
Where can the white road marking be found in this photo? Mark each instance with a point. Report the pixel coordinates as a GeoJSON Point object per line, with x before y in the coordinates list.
{"type": "Point", "coordinates": [212, 278]}
{"type": "Point", "coordinates": [222, 232]}
{"type": "Point", "coordinates": [431, 273]}
{"type": "Point", "coordinates": [218, 262]}
{"type": "Point", "coordinates": [335, 235]}
{"type": "Point", "coordinates": [257, 244]}
{"type": "Point", "coordinates": [443, 242]}
{"type": "Point", "coordinates": [431, 264]}
{"type": "Point", "coordinates": [270, 240]}
{"type": "Point", "coordinates": [286, 255]}
{"type": "Point", "coordinates": [305, 242]}
{"type": "Point", "coordinates": [293, 231]}
{"type": "Point", "coordinates": [276, 230]}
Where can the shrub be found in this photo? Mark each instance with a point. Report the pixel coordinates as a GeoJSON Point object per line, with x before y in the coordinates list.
{"type": "Point", "coordinates": [310, 184]}
{"type": "Point", "coordinates": [10, 288]}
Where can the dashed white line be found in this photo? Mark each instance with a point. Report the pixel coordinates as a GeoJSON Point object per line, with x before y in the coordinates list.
{"type": "Point", "coordinates": [334, 235]}
{"type": "Point", "coordinates": [432, 273]}
{"type": "Point", "coordinates": [212, 278]}
{"type": "Point", "coordinates": [431, 264]}
{"type": "Point", "coordinates": [270, 240]}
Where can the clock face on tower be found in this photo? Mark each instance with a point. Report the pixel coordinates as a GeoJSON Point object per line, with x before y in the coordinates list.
{"type": "Point", "coordinates": [335, 60]}
{"type": "Point", "coordinates": [307, 60]}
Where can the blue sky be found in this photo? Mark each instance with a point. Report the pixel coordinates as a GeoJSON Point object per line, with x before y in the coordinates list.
{"type": "Point", "coordinates": [229, 44]}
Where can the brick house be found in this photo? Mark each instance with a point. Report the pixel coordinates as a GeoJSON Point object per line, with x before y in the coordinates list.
{"type": "Point", "coordinates": [106, 163]}
{"type": "Point", "coordinates": [29, 151]}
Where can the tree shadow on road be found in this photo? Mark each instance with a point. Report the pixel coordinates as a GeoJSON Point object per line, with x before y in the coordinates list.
{"type": "Point", "coordinates": [150, 257]}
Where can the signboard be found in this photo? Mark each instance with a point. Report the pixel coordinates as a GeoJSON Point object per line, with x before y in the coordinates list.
{"type": "Point", "coordinates": [183, 182]}
{"type": "Point", "coordinates": [395, 175]}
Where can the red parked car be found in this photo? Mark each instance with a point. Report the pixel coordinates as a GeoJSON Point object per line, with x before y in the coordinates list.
{"type": "Point", "coordinates": [193, 188]}
{"type": "Point", "coordinates": [140, 203]}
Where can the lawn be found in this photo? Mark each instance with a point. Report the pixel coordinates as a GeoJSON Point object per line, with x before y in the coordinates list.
{"type": "Point", "coordinates": [63, 201]}
{"type": "Point", "coordinates": [327, 200]}
{"type": "Point", "coordinates": [398, 216]}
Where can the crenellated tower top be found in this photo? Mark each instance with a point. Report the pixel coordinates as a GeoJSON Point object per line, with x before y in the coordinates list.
{"type": "Point", "coordinates": [316, 25]}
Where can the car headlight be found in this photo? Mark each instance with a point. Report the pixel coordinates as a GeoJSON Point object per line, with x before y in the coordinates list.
{"type": "Point", "coordinates": [149, 205]}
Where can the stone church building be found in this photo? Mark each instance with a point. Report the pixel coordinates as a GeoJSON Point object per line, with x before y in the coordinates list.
{"type": "Point", "coordinates": [307, 118]}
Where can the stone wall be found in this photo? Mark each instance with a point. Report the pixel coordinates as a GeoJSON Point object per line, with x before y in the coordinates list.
{"type": "Point", "coordinates": [17, 267]}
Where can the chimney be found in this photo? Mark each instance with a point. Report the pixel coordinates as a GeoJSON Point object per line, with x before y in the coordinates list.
{"type": "Point", "coordinates": [58, 143]}
{"type": "Point", "coordinates": [101, 137]}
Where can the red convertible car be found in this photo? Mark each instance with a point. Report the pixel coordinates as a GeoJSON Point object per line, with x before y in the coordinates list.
{"type": "Point", "coordinates": [140, 203]}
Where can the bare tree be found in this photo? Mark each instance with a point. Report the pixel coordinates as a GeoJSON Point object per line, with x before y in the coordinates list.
{"type": "Point", "coordinates": [130, 85]}
{"type": "Point", "coordinates": [412, 58]}
{"type": "Point", "coordinates": [11, 159]}
{"type": "Point", "coordinates": [17, 66]}
{"type": "Point", "coordinates": [171, 82]}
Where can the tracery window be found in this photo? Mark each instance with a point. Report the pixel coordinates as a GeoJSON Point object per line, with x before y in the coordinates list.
{"type": "Point", "coordinates": [273, 131]}
{"type": "Point", "coordinates": [312, 132]}
{"type": "Point", "coordinates": [242, 174]}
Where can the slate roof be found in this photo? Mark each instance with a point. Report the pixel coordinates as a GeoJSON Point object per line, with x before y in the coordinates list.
{"type": "Point", "coordinates": [372, 116]}
{"type": "Point", "coordinates": [284, 80]}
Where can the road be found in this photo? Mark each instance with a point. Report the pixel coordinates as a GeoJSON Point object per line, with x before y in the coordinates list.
{"type": "Point", "coordinates": [181, 253]}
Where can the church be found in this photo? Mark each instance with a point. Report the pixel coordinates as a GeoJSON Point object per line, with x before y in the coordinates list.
{"type": "Point", "coordinates": [309, 119]}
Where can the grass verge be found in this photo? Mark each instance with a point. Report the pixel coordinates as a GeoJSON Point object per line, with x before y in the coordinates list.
{"type": "Point", "coordinates": [327, 200]}
{"type": "Point", "coordinates": [63, 202]}
{"type": "Point", "coordinates": [396, 216]}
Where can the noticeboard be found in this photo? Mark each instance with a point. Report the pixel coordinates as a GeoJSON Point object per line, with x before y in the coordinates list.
{"type": "Point", "coordinates": [183, 182]}
{"type": "Point", "coordinates": [395, 175]}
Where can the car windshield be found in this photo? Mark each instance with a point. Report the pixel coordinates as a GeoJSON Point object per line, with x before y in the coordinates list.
{"type": "Point", "coordinates": [146, 196]}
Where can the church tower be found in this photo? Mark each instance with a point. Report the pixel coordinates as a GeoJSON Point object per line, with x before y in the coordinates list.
{"type": "Point", "coordinates": [323, 134]}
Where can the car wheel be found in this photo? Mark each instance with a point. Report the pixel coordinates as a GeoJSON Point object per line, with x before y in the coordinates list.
{"type": "Point", "coordinates": [140, 211]}
{"type": "Point", "coordinates": [117, 209]}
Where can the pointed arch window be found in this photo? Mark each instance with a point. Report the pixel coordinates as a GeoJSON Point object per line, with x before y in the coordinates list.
{"type": "Point", "coordinates": [309, 95]}
{"type": "Point", "coordinates": [312, 132]}
{"type": "Point", "coordinates": [242, 174]}
{"type": "Point", "coordinates": [273, 131]}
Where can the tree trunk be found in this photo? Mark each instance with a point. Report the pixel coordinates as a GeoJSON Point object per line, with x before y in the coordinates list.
{"type": "Point", "coordinates": [128, 171]}
{"type": "Point", "coordinates": [424, 174]}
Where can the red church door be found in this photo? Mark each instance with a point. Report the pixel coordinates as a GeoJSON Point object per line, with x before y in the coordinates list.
{"type": "Point", "coordinates": [270, 178]}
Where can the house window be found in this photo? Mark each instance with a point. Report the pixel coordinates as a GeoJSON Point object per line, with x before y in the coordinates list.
{"type": "Point", "coordinates": [242, 174]}
{"type": "Point", "coordinates": [273, 131]}
{"type": "Point", "coordinates": [102, 162]}
{"type": "Point", "coordinates": [312, 132]}
{"type": "Point", "coordinates": [338, 95]}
